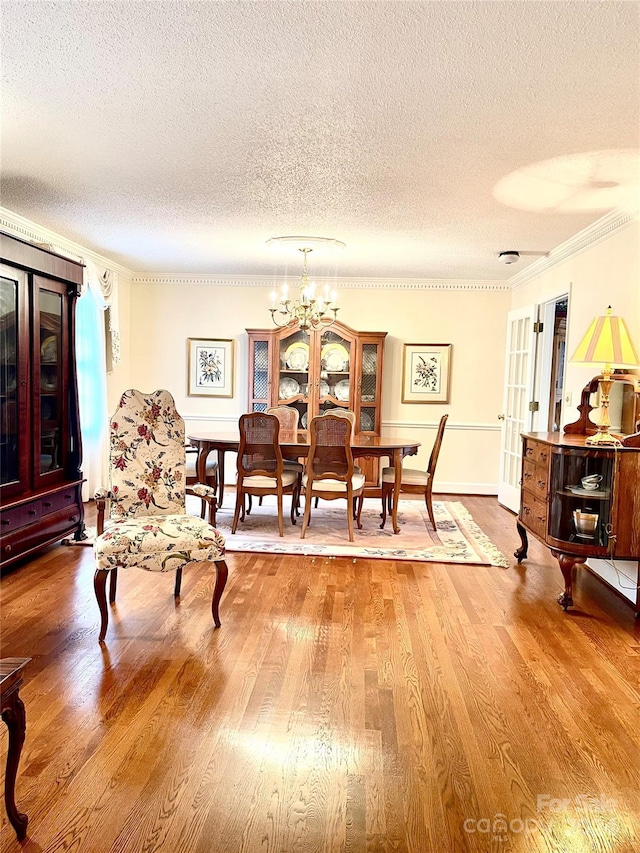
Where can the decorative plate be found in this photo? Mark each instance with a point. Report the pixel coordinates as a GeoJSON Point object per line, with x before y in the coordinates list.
{"type": "Point", "coordinates": [49, 349]}
{"type": "Point", "coordinates": [588, 493]}
{"type": "Point", "coordinates": [324, 388]}
{"type": "Point", "coordinates": [303, 420]}
{"type": "Point", "coordinates": [341, 391]}
{"type": "Point", "coordinates": [297, 356]}
{"type": "Point", "coordinates": [335, 357]}
{"type": "Point", "coordinates": [366, 421]}
{"type": "Point", "coordinates": [288, 388]}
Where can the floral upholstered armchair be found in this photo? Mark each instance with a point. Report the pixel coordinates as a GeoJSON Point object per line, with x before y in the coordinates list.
{"type": "Point", "coordinates": [149, 527]}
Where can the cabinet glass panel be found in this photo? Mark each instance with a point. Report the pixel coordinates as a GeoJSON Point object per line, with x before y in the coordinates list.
{"type": "Point", "coordinates": [581, 497]}
{"type": "Point", "coordinates": [260, 375]}
{"type": "Point", "coordinates": [335, 364]}
{"type": "Point", "coordinates": [293, 373]}
{"type": "Point", "coordinates": [50, 380]}
{"type": "Point", "coordinates": [370, 378]}
{"type": "Point", "coordinates": [9, 438]}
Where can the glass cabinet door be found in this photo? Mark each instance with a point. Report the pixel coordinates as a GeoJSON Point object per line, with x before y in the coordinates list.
{"type": "Point", "coordinates": [336, 362]}
{"type": "Point", "coordinates": [11, 383]}
{"type": "Point", "coordinates": [259, 374]}
{"type": "Point", "coordinates": [293, 374]}
{"type": "Point", "coordinates": [369, 385]}
{"type": "Point", "coordinates": [49, 380]}
{"type": "Point", "coordinates": [580, 510]}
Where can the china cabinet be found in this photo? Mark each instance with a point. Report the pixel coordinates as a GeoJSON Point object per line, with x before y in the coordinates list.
{"type": "Point", "coordinates": [319, 370]}
{"type": "Point", "coordinates": [582, 501]}
{"type": "Point", "coordinates": [40, 446]}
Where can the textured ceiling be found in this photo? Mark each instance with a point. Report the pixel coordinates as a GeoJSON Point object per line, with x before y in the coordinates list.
{"type": "Point", "coordinates": [180, 136]}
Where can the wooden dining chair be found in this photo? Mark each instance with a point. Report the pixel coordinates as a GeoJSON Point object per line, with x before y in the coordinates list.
{"type": "Point", "coordinates": [261, 469]}
{"type": "Point", "coordinates": [414, 481]}
{"type": "Point", "coordinates": [289, 419]}
{"type": "Point", "coordinates": [350, 416]}
{"type": "Point", "coordinates": [330, 472]}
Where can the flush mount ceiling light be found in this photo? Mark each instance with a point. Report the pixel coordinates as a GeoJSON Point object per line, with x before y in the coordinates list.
{"type": "Point", "coordinates": [307, 310]}
{"type": "Point", "coordinates": [591, 180]}
{"type": "Point", "coordinates": [509, 257]}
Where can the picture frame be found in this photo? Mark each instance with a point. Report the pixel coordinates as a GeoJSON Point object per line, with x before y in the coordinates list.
{"type": "Point", "coordinates": [210, 367]}
{"type": "Point", "coordinates": [426, 370]}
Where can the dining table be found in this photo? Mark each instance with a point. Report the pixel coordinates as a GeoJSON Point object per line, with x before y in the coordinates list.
{"type": "Point", "coordinates": [393, 447]}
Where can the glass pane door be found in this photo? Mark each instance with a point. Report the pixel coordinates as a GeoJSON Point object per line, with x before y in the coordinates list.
{"type": "Point", "coordinates": [294, 388]}
{"type": "Point", "coordinates": [9, 379]}
{"type": "Point", "coordinates": [50, 381]}
{"type": "Point", "coordinates": [336, 361]}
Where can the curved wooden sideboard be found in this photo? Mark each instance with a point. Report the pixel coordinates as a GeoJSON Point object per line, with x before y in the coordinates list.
{"type": "Point", "coordinates": [560, 512]}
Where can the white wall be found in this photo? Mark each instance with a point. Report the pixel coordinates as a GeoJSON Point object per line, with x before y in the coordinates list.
{"type": "Point", "coordinates": [164, 314]}
{"type": "Point", "coordinates": [606, 273]}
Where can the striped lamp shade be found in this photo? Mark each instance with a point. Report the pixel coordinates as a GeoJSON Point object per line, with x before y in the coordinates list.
{"type": "Point", "coordinates": [608, 342]}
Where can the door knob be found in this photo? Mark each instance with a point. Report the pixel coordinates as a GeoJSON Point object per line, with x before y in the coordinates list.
{"type": "Point", "coordinates": [500, 417]}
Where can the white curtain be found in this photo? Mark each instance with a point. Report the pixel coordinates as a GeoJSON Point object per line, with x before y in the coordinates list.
{"type": "Point", "coordinates": [92, 382]}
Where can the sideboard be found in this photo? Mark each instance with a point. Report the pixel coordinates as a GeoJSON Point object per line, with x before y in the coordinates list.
{"type": "Point", "coordinates": [575, 522]}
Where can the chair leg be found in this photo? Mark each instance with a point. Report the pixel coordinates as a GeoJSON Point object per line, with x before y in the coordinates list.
{"type": "Point", "coordinates": [249, 505]}
{"type": "Point", "coordinates": [239, 506]}
{"type": "Point", "coordinates": [294, 501]}
{"type": "Point", "coordinates": [280, 515]}
{"type": "Point", "coordinates": [384, 507]}
{"type": "Point", "coordinates": [360, 501]}
{"type": "Point", "coordinates": [113, 583]}
{"type": "Point", "coordinates": [176, 589]}
{"type": "Point", "coordinates": [307, 513]}
{"type": "Point", "coordinates": [427, 500]}
{"type": "Point", "coordinates": [100, 587]}
{"type": "Point", "coordinates": [221, 581]}
{"type": "Point", "coordinates": [350, 518]}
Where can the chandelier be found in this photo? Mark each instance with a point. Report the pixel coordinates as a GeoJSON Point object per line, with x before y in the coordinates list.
{"type": "Point", "coordinates": [309, 309]}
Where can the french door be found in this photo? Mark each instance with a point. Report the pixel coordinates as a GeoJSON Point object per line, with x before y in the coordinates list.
{"type": "Point", "coordinates": [520, 366]}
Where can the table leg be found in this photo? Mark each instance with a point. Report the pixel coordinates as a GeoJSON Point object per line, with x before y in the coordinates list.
{"type": "Point", "coordinates": [397, 467]}
{"type": "Point", "coordinates": [220, 476]}
{"type": "Point", "coordinates": [14, 716]}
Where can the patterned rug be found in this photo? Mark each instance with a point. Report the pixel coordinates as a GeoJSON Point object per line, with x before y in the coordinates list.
{"type": "Point", "coordinates": [458, 538]}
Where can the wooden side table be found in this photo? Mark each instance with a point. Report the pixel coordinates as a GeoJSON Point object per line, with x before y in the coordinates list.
{"type": "Point", "coordinates": [13, 714]}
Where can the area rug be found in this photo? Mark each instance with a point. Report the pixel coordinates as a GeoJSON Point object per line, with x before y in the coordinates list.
{"type": "Point", "coordinates": [458, 538]}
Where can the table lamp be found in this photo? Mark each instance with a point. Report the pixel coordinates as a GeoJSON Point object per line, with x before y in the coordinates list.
{"type": "Point", "coordinates": [607, 342]}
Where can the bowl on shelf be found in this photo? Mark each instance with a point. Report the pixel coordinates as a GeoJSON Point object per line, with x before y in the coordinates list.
{"type": "Point", "coordinates": [586, 522]}
{"type": "Point", "coordinates": [591, 482]}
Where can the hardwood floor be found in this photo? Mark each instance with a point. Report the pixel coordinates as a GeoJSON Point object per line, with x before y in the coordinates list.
{"type": "Point", "coordinates": [343, 706]}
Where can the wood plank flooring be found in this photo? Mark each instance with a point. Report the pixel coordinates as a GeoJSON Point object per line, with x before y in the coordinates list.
{"type": "Point", "coordinates": [344, 705]}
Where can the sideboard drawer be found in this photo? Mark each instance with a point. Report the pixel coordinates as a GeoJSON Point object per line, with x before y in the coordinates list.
{"type": "Point", "coordinates": [534, 514]}
{"type": "Point", "coordinates": [19, 516]}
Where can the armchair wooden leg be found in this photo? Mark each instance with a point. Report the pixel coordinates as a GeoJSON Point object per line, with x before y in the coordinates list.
{"type": "Point", "coordinates": [350, 518]}
{"type": "Point", "coordinates": [176, 589]}
{"type": "Point", "coordinates": [113, 585]}
{"type": "Point", "coordinates": [221, 581]}
{"type": "Point", "coordinates": [100, 587]}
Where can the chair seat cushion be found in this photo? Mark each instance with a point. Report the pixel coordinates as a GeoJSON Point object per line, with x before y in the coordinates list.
{"type": "Point", "coordinates": [258, 481]}
{"type": "Point", "coordinates": [329, 485]}
{"type": "Point", "coordinates": [212, 466]}
{"type": "Point", "coordinates": [410, 476]}
{"type": "Point", "coordinates": [157, 543]}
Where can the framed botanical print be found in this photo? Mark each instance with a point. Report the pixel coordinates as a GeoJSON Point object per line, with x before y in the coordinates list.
{"type": "Point", "coordinates": [210, 367]}
{"type": "Point", "coordinates": [425, 373]}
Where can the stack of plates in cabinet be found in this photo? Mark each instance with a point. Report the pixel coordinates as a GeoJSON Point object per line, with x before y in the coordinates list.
{"type": "Point", "coordinates": [288, 388]}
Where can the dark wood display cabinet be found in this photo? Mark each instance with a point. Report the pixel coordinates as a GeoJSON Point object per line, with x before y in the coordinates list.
{"type": "Point", "coordinates": [581, 501]}
{"type": "Point", "coordinates": [334, 367]}
{"type": "Point", "coordinates": [40, 444]}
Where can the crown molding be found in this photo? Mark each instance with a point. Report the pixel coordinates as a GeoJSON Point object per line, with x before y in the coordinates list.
{"type": "Point", "coordinates": [590, 236]}
{"type": "Point", "coordinates": [19, 226]}
{"type": "Point", "coordinates": [345, 282]}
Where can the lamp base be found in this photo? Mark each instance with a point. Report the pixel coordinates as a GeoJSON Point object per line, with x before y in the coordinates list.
{"type": "Point", "coordinates": [603, 438]}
